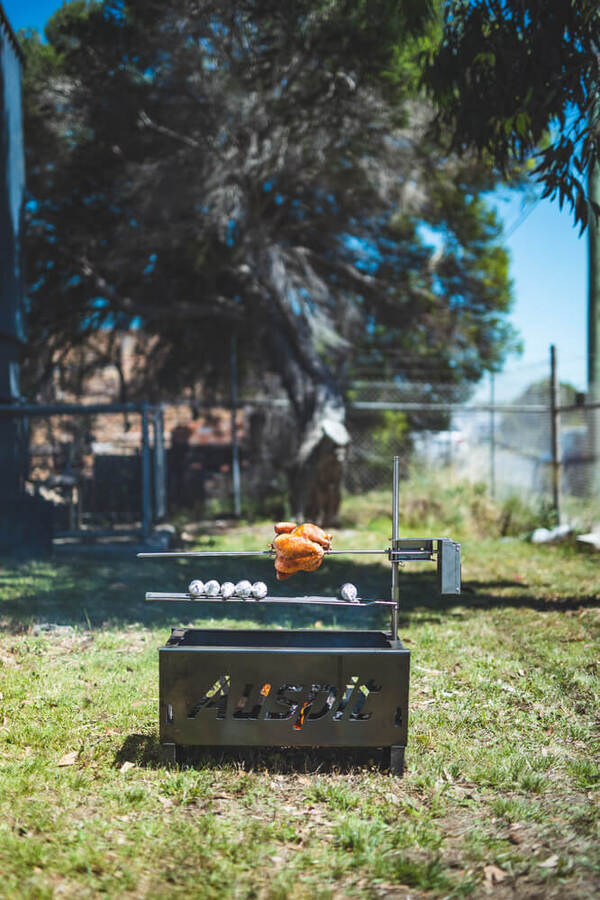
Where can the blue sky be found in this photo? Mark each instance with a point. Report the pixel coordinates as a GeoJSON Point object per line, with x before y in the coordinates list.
{"type": "Point", "coordinates": [549, 271]}
{"type": "Point", "coordinates": [548, 265]}
{"type": "Point", "coordinates": [26, 13]}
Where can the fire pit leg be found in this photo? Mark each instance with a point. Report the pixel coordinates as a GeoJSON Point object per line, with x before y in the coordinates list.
{"type": "Point", "coordinates": [168, 755]}
{"type": "Point", "coordinates": [397, 760]}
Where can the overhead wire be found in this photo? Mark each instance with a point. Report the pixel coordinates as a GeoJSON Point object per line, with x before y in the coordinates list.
{"type": "Point", "coordinates": [521, 218]}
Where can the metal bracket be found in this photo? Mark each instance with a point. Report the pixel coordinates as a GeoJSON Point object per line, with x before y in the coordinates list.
{"type": "Point", "coordinates": [448, 567]}
{"type": "Point", "coordinates": [405, 549]}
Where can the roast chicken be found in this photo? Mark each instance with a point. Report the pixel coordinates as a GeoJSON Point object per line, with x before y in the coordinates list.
{"type": "Point", "coordinates": [299, 548]}
{"type": "Point", "coordinates": [284, 527]}
{"type": "Point", "coordinates": [307, 530]}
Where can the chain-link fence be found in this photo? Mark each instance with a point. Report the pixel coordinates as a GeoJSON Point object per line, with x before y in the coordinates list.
{"type": "Point", "coordinates": [521, 434]}
{"type": "Point", "coordinates": [101, 467]}
{"type": "Point", "coordinates": [540, 441]}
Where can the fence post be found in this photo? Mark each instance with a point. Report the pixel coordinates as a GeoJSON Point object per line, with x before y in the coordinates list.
{"type": "Point", "coordinates": [160, 469]}
{"type": "Point", "coordinates": [555, 435]}
{"type": "Point", "coordinates": [235, 456]}
{"type": "Point", "coordinates": [593, 346]}
{"type": "Point", "coordinates": [146, 475]}
{"type": "Point", "coordinates": [492, 436]}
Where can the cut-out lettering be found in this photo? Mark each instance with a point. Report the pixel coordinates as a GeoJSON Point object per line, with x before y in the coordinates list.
{"type": "Point", "coordinates": [308, 703]}
{"type": "Point", "coordinates": [249, 707]}
{"type": "Point", "coordinates": [290, 706]}
{"type": "Point", "coordinates": [214, 698]}
{"type": "Point", "coordinates": [327, 705]}
{"type": "Point", "coordinates": [347, 696]}
{"type": "Point", "coordinates": [359, 713]}
{"type": "Point", "coordinates": [305, 713]}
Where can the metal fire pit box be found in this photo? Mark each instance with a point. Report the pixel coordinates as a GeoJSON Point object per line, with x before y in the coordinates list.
{"type": "Point", "coordinates": [293, 688]}
{"type": "Point", "coordinates": [284, 688]}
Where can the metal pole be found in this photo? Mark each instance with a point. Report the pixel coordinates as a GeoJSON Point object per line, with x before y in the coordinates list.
{"type": "Point", "coordinates": [66, 409]}
{"type": "Point", "coordinates": [163, 457]}
{"type": "Point", "coordinates": [146, 475]}
{"type": "Point", "coordinates": [395, 537]}
{"type": "Point", "coordinates": [593, 288]}
{"type": "Point", "coordinates": [160, 481]}
{"type": "Point", "coordinates": [593, 348]}
{"type": "Point", "coordinates": [195, 554]}
{"type": "Point", "coordinates": [492, 436]}
{"type": "Point", "coordinates": [235, 457]}
{"type": "Point", "coordinates": [555, 433]}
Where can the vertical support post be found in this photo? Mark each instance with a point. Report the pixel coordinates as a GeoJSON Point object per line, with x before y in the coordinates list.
{"type": "Point", "coordinates": [593, 348]}
{"type": "Point", "coordinates": [146, 474]}
{"type": "Point", "coordinates": [79, 509]}
{"type": "Point", "coordinates": [492, 436]}
{"type": "Point", "coordinates": [555, 435]}
{"type": "Point", "coordinates": [235, 456]}
{"type": "Point", "coordinates": [72, 508]}
{"type": "Point", "coordinates": [395, 537]}
{"type": "Point", "coordinates": [160, 469]}
{"type": "Point", "coordinates": [593, 336]}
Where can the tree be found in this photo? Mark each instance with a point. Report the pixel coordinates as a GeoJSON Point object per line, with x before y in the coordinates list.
{"type": "Point", "coordinates": [203, 168]}
{"type": "Point", "coordinates": [519, 80]}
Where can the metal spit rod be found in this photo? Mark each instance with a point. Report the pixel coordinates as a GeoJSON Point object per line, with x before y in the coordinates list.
{"type": "Point", "coordinates": [204, 553]}
{"type": "Point", "coordinates": [321, 601]}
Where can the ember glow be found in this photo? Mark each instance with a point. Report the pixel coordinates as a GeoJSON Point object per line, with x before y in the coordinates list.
{"type": "Point", "coordinates": [301, 717]}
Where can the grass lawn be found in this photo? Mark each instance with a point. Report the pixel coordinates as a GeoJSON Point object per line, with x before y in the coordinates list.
{"type": "Point", "coordinates": [500, 797]}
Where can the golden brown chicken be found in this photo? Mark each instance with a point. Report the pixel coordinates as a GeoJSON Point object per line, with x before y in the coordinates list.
{"type": "Point", "coordinates": [295, 553]}
{"type": "Point", "coordinates": [284, 527]}
{"type": "Point", "coordinates": [313, 533]}
{"type": "Point", "coordinates": [307, 529]}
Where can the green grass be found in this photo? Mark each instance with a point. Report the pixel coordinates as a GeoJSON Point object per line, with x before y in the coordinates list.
{"type": "Point", "coordinates": [502, 765]}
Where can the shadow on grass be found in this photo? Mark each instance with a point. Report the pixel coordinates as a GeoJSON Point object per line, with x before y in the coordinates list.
{"type": "Point", "coordinates": [145, 751]}
{"type": "Point", "coordinates": [96, 593]}
{"type": "Point", "coordinates": [141, 749]}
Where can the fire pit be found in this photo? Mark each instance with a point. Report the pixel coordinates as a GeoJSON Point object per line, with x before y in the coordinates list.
{"type": "Point", "coordinates": [293, 688]}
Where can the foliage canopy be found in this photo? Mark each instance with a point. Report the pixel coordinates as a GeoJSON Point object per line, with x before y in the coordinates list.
{"type": "Point", "coordinates": [201, 168]}
{"type": "Point", "coordinates": [521, 78]}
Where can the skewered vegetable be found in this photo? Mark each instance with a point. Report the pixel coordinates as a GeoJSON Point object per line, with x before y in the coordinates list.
{"type": "Point", "coordinates": [243, 588]}
{"type": "Point", "coordinates": [349, 592]}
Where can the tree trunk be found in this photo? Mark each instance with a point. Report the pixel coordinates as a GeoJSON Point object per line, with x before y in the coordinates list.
{"type": "Point", "coordinates": [316, 469]}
